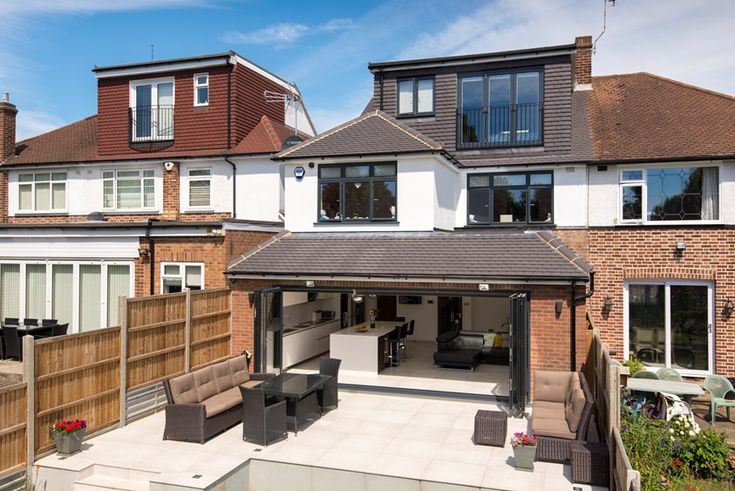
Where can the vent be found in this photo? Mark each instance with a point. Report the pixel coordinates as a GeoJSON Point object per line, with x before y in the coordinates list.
{"type": "Point", "coordinates": [96, 216]}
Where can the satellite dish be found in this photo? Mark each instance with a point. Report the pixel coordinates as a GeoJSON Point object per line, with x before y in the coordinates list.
{"type": "Point", "coordinates": [291, 141]}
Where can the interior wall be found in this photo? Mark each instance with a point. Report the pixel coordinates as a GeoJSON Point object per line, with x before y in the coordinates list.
{"type": "Point", "coordinates": [426, 325]}
{"type": "Point", "coordinates": [298, 313]}
{"type": "Point", "coordinates": [485, 313]}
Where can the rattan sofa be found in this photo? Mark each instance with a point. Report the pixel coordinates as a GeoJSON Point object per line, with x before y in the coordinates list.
{"type": "Point", "coordinates": [207, 401]}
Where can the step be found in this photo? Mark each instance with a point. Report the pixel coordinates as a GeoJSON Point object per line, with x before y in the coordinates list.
{"type": "Point", "coordinates": [100, 482]}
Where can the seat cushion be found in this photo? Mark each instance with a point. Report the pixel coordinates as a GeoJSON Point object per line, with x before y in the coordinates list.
{"type": "Point", "coordinates": [251, 383]}
{"type": "Point", "coordinates": [463, 357]}
{"type": "Point", "coordinates": [205, 386]}
{"type": "Point", "coordinates": [551, 386]}
{"type": "Point", "coordinates": [222, 401]}
{"type": "Point", "coordinates": [554, 427]}
{"type": "Point", "coordinates": [223, 376]}
{"type": "Point", "coordinates": [573, 410]}
{"type": "Point", "coordinates": [183, 389]}
{"type": "Point", "coordinates": [574, 384]}
{"type": "Point", "coordinates": [239, 368]}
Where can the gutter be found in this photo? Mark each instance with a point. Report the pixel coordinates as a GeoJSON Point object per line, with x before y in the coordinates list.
{"type": "Point", "coordinates": [573, 319]}
{"type": "Point", "coordinates": [234, 186]}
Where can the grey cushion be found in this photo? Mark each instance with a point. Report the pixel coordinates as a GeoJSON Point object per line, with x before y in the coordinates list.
{"type": "Point", "coordinates": [553, 427]}
{"type": "Point", "coordinates": [222, 402]}
{"type": "Point", "coordinates": [573, 385]}
{"type": "Point", "coordinates": [205, 385]}
{"type": "Point", "coordinates": [469, 341]}
{"type": "Point", "coordinates": [239, 368]}
{"type": "Point", "coordinates": [573, 410]}
{"type": "Point", "coordinates": [223, 376]}
{"type": "Point", "coordinates": [183, 389]}
{"type": "Point", "coordinates": [551, 386]}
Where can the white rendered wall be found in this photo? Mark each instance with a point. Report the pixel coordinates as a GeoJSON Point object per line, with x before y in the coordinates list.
{"type": "Point", "coordinates": [259, 188]}
{"type": "Point", "coordinates": [603, 192]}
{"type": "Point", "coordinates": [220, 190]}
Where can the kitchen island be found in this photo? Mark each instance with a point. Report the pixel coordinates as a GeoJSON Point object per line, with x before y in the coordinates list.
{"type": "Point", "coordinates": [361, 351]}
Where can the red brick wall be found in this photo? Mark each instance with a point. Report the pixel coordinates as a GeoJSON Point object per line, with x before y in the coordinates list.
{"type": "Point", "coordinates": [623, 253]}
{"type": "Point", "coordinates": [3, 196]}
{"type": "Point", "coordinates": [171, 192]}
{"type": "Point", "coordinates": [583, 60]}
{"type": "Point", "coordinates": [248, 103]}
{"type": "Point", "coordinates": [8, 113]}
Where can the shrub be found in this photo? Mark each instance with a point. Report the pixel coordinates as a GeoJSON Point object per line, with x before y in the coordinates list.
{"type": "Point", "coordinates": [708, 456]}
{"type": "Point", "coordinates": [634, 366]}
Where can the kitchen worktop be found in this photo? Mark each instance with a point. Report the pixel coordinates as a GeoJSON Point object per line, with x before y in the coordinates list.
{"type": "Point", "coordinates": [305, 326]}
{"type": "Point", "coordinates": [380, 329]}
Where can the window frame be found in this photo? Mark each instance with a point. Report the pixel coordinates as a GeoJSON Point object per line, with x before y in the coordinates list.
{"type": "Point", "coordinates": [527, 187]}
{"type": "Point", "coordinates": [182, 273]}
{"type": "Point", "coordinates": [200, 86]}
{"type": "Point", "coordinates": [485, 75]}
{"type": "Point", "coordinates": [622, 183]}
{"type": "Point", "coordinates": [667, 284]}
{"type": "Point", "coordinates": [415, 93]}
{"type": "Point", "coordinates": [32, 183]}
{"type": "Point", "coordinates": [133, 104]}
{"type": "Point", "coordinates": [190, 179]}
{"type": "Point", "coordinates": [342, 180]}
{"type": "Point", "coordinates": [142, 178]}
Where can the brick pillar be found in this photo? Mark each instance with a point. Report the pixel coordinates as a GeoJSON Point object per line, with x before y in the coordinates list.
{"type": "Point", "coordinates": [583, 61]}
{"type": "Point", "coordinates": [3, 196]}
{"type": "Point", "coordinates": [171, 180]}
{"type": "Point", "coordinates": [7, 128]}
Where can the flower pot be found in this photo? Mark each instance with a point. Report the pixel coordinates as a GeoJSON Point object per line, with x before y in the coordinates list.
{"type": "Point", "coordinates": [69, 443]}
{"type": "Point", "coordinates": [524, 457]}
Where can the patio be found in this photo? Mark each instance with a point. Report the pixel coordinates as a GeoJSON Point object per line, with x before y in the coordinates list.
{"type": "Point", "coordinates": [371, 442]}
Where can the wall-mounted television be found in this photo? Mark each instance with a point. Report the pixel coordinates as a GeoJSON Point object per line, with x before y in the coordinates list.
{"type": "Point", "coordinates": [410, 299]}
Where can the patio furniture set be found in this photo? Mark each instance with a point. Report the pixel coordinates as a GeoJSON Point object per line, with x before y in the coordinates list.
{"type": "Point", "coordinates": [13, 329]}
{"type": "Point", "coordinates": [209, 400]}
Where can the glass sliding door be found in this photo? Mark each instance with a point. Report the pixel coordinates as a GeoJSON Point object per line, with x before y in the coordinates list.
{"type": "Point", "coordinates": [62, 293]}
{"type": "Point", "coordinates": [669, 323]}
{"type": "Point", "coordinates": [90, 297]}
{"type": "Point", "coordinates": [35, 291]}
{"type": "Point", "coordinates": [118, 285]}
{"type": "Point", "coordinates": [9, 290]}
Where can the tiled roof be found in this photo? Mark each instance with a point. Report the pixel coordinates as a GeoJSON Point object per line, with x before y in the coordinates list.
{"type": "Point", "coordinates": [484, 256]}
{"type": "Point", "coordinates": [371, 133]}
{"type": "Point", "coordinates": [76, 142]}
{"type": "Point", "coordinates": [644, 116]}
{"type": "Point", "coordinates": [266, 137]}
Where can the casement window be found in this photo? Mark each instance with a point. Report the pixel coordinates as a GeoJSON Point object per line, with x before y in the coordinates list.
{"type": "Point", "coordinates": [498, 199]}
{"type": "Point", "coordinates": [416, 96]}
{"type": "Point", "coordinates": [152, 110]}
{"type": "Point", "coordinates": [128, 190]}
{"type": "Point", "coordinates": [200, 188]}
{"type": "Point", "coordinates": [43, 191]}
{"type": "Point", "coordinates": [665, 194]}
{"type": "Point", "coordinates": [201, 89]}
{"type": "Point", "coordinates": [83, 294]}
{"type": "Point", "coordinates": [669, 324]}
{"type": "Point", "coordinates": [175, 277]}
{"type": "Point", "coordinates": [500, 109]}
{"type": "Point", "coordinates": [357, 192]}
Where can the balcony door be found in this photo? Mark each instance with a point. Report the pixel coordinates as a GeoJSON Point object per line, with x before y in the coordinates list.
{"type": "Point", "coordinates": [152, 111]}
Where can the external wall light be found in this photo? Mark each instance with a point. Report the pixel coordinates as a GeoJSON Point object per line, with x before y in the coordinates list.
{"type": "Point", "coordinates": [608, 304]}
{"type": "Point", "coordinates": [728, 308]}
{"type": "Point", "coordinates": [310, 283]}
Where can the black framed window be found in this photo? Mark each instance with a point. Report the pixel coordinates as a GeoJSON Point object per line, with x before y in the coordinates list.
{"type": "Point", "coordinates": [512, 198]}
{"type": "Point", "coordinates": [415, 96]}
{"type": "Point", "coordinates": [357, 192]}
{"type": "Point", "coordinates": [500, 109]}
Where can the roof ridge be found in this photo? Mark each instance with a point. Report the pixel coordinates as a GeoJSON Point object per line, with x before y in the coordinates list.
{"type": "Point", "coordinates": [417, 135]}
{"type": "Point", "coordinates": [56, 129]}
{"type": "Point", "coordinates": [270, 131]}
{"type": "Point", "coordinates": [262, 245]}
{"type": "Point", "coordinates": [672, 81]}
{"type": "Point", "coordinates": [564, 250]}
{"type": "Point", "coordinates": [327, 133]}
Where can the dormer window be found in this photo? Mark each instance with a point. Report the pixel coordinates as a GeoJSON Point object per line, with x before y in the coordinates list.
{"type": "Point", "coordinates": [152, 110]}
{"type": "Point", "coordinates": [201, 89]}
{"type": "Point", "coordinates": [416, 96]}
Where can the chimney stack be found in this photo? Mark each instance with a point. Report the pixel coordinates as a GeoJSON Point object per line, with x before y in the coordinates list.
{"type": "Point", "coordinates": [7, 128]}
{"type": "Point", "coordinates": [582, 62]}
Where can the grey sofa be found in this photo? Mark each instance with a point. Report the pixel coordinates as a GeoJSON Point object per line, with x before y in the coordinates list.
{"type": "Point", "coordinates": [207, 401]}
{"type": "Point", "coordinates": [464, 349]}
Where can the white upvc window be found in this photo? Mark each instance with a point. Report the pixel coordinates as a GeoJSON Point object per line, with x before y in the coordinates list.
{"type": "Point", "coordinates": [152, 110]}
{"type": "Point", "coordinates": [129, 189]}
{"type": "Point", "coordinates": [83, 294]}
{"type": "Point", "coordinates": [175, 277]}
{"type": "Point", "coordinates": [632, 194]}
{"type": "Point", "coordinates": [200, 188]}
{"type": "Point", "coordinates": [669, 323]}
{"type": "Point", "coordinates": [201, 89]}
{"type": "Point", "coordinates": [42, 191]}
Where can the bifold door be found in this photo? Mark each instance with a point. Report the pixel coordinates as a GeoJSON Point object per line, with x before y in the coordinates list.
{"type": "Point", "coordinates": [519, 353]}
{"type": "Point", "coordinates": [268, 329]}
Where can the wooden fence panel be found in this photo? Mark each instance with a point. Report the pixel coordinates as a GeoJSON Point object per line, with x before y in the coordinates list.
{"type": "Point", "coordinates": [77, 376]}
{"type": "Point", "coordinates": [210, 326]}
{"type": "Point", "coordinates": [12, 427]}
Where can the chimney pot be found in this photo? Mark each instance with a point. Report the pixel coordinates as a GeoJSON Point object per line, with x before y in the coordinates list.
{"type": "Point", "coordinates": [6, 97]}
{"type": "Point", "coordinates": [582, 63]}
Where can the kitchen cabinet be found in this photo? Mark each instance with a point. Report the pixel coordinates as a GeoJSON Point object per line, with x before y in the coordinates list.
{"type": "Point", "coordinates": [295, 298]}
{"type": "Point", "coordinates": [307, 342]}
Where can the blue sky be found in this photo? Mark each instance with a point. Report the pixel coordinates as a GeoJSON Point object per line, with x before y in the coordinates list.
{"type": "Point", "coordinates": [48, 47]}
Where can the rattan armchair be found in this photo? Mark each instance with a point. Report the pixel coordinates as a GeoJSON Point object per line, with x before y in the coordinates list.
{"type": "Point", "coordinates": [263, 421]}
{"type": "Point", "coordinates": [327, 394]}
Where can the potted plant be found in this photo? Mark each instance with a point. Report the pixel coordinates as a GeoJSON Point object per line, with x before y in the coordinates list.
{"type": "Point", "coordinates": [524, 450]}
{"type": "Point", "coordinates": [68, 435]}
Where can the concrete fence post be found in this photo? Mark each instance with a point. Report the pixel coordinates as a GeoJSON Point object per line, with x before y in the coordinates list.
{"type": "Point", "coordinates": [123, 316]}
{"type": "Point", "coordinates": [29, 376]}
{"type": "Point", "coordinates": [187, 333]}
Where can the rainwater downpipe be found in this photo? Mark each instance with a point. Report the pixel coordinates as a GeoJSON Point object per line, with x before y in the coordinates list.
{"type": "Point", "coordinates": [234, 186]}
{"type": "Point", "coordinates": [151, 255]}
{"type": "Point", "coordinates": [573, 319]}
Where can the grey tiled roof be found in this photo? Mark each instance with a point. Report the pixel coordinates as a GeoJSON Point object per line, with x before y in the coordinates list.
{"type": "Point", "coordinates": [492, 255]}
{"type": "Point", "coordinates": [371, 133]}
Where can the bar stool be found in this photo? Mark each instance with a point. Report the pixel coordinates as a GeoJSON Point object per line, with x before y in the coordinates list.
{"type": "Point", "coordinates": [394, 339]}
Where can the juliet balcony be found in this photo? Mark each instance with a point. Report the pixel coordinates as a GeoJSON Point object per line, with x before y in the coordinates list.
{"type": "Point", "coordinates": [510, 125]}
{"type": "Point", "coordinates": [151, 123]}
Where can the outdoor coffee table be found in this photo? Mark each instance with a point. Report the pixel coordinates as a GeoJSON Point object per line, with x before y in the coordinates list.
{"type": "Point", "coordinates": [670, 386]}
{"type": "Point", "coordinates": [299, 390]}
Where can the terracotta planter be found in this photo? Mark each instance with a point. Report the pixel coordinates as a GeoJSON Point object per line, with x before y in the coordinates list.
{"type": "Point", "coordinates": [69, 443]}
{"type": "Point", "coordinates": [524, 457]}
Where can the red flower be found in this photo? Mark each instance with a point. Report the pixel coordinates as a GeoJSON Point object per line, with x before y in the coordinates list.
{"type": "Point", "coordinates": [677, 462]}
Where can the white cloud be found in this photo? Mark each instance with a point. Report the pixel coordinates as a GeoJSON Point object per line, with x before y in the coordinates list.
{"type": "Point", "coordinates": [284, 33]}
{"type": "Point", "coordinates": [681, 39]}
{"type": "Point", "coordinates": [79, 6]}
{"type": "Point", "coordinates": [342, 110]}
{"type": "Point", "coordinates": [32, 123]}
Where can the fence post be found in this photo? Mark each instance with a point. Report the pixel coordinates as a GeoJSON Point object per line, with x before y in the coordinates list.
{"type": "Point", "coordinates": [122, 312]}
{"type": "Point", "coordinates": [29, 374]}
{"type": "Point", "coordinates": [187, 333]}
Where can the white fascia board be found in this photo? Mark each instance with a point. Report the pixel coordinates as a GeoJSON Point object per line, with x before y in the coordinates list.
{"type": "Point", "coordinates": [398, 281]}
{"type": "Point", "coordinates": [251, 227]}
{"type": "Point", "coordinates": [265, 73]}
{"type": "Point", "coordinates": [133, 231]}
{"type": "Point", "coordinates": [163, 68]}
{"type": "Point", "coordinates": [473, 61]}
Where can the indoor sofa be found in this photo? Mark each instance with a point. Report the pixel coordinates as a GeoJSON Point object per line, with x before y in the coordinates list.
{"type": "Point", "coordinates": [207, 401]}
{"type": "Point", "coordinates": [466, 349]}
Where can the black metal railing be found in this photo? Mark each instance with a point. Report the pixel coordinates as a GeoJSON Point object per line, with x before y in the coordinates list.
{"type": "Point", "coordinates": [151, 123]}
{"type": "Point", "coordinates": [500, 126]}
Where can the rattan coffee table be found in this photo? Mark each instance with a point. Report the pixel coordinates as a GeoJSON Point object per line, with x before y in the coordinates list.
{"type": "Point", "coordinates": [491, 428]}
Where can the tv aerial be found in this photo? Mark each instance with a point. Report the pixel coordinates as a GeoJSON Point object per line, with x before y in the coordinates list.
{"type": "Point", "coordinates": [288, 100]}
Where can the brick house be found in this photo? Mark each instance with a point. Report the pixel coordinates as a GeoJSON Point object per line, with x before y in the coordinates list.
{"type": "Point", "coordinates": [152, 194]}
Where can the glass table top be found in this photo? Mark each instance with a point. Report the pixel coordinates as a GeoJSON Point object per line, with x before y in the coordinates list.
{"type": "Point", "coordinates": [294, 385]}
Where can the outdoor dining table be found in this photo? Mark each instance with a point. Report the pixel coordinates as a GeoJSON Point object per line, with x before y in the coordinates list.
{"type": "Point", "coordinates": [31, 330]}
{"type": "Point", "coordinates": [299, 390]}
{"type": "Point", "coordinates": [671, 386]}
